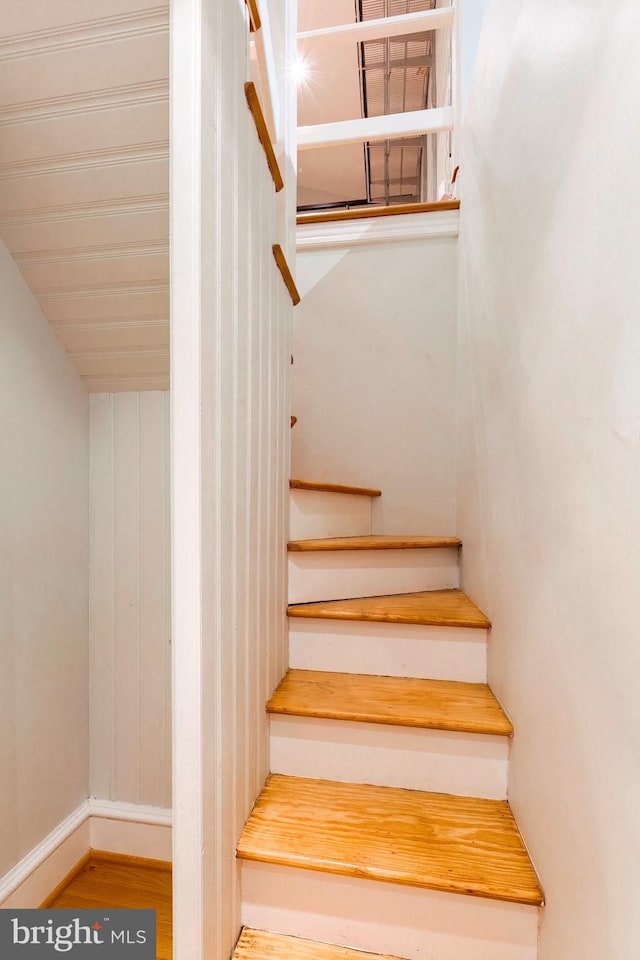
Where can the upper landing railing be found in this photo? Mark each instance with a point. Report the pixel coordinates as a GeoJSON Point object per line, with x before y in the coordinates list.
{"type": "Point", "coordinates": [397, 143]}
{"type": "Point", "coordinates": [389, 126]}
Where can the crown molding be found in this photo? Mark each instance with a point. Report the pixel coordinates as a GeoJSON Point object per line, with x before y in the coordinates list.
{"type": "Point", "coordinates": [95, 101]}
{"type": "Point", "coordinates": [114, 29]}
{"type": "Point", "coordinates": [85, 160]}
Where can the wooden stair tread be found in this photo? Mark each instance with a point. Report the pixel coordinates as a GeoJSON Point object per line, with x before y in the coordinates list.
{"type": "Point", "coordinates": [431, 840]}
{"type": "Point", "coordinates": [377, 542]}
{"type": "Point", "coordinates": [261, 945]}
{"type": "Point", "coordinates": [333, 488]}
{"type": "Point", "coordinates": [447, 608]}
{"type": "Point", "coordinates": [407, 702]}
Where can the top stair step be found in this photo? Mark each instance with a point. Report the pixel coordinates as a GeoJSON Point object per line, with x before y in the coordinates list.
{"type": "Point", "coordinates": [377, 542]}
{"type": "Point", "coordinates": [318, 487]}
{"type": "Point", "coordinates": [440, 608]}
{"type": "Point", "coordinates": [260, 945]}
{"type": "Point", "coordinates": [435, 841]}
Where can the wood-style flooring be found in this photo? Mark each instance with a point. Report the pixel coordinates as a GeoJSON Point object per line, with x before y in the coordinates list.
{"type": "Point", "coordinates": [123, 883]}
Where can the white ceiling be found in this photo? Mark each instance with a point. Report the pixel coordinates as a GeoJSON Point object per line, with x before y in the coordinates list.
{"type": "Point", "coordinates": [332, 93]}
{"type": "Point", "coordinates": [84, 178]}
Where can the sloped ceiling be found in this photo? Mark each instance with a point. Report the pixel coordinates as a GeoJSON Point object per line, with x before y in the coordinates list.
{"type": "Point", "coordinates": [84, 178]}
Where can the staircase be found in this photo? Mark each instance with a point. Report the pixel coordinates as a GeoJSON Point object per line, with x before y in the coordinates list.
{"type": "Point", "coordinates": [384, 827]}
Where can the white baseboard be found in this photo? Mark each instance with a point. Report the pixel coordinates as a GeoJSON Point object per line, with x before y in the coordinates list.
{"type": "Point", "coordinates": [41, 870]}
{"type": "Point", "coordinates": [124, 828]}
{"type": "Point", "coordinates": [131, 829]}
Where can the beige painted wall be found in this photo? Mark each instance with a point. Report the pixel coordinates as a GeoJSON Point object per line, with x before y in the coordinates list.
{"type": "Point", "coordinates": [374, 377]}
{"type": "Point", "coordinates": [549, 449]}
{"type": "Point", "coordinates": [44, 701]}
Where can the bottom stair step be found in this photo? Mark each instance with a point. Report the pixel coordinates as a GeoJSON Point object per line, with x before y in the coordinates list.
{"type": "Point", "coordinates": [437, 841]}
{"type": "Point", "coordinates": [260, 945]}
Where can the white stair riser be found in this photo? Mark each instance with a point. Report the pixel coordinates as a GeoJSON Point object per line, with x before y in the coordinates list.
{"type": "Point", "coordinates": [345, 574]}
{"type": "Point", "coordinates": [388, 649]}
{"type": "Point", "coordinates": [315, 515]}
{"type": "Point", "coordinates": [469, 765]}
{"type": "Point", "coordinates": [384, 917]}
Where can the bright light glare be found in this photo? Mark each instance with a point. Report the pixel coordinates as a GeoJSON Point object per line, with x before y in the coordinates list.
{"type": "Point", "coordinates": [300, 71]}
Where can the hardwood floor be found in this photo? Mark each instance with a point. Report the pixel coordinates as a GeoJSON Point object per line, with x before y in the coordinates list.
{"type": "Point", "coordinates": [112, 881]}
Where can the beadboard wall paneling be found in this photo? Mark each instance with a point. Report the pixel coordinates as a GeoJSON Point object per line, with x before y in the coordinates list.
{"type": "Point", "coordinates": [230, 347]}
{"type": "Point", "coordinates": [84, 173]}
{"type": "Point", "coordinates": [130, 598]}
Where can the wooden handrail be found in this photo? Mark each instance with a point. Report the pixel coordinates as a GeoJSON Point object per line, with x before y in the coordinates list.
{"type": "Point", "coordinates": [283, 267]}
{"type": "Point", "coordinates": [262, 130]}
{"type": "Point", "coordinates": [254, 15]}
{"type": "Point", "coordinates": [366, 213]}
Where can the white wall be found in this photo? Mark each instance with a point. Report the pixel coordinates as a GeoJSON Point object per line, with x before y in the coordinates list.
{"type": "Point", "coordinates": [470, 16]}
{"type": "Point", "coordinates": [230, 348]}
{"type": "Point", "coordinates": [374, 377]}
{"type": "Point", "coordinates": [130, 598]}
{"type": "Point", "coordinates": [549, 467]}
{"type": "Point", "coordinates": [44, 721]}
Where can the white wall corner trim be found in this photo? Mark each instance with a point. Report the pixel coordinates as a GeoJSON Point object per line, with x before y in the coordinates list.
{"type": "Point", "coordinates": [351, 233]}
{"type": "Point", "coordinates": [125, 828]}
